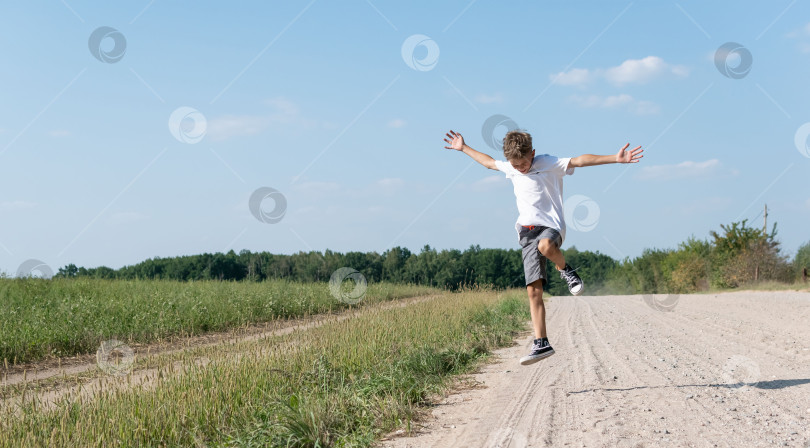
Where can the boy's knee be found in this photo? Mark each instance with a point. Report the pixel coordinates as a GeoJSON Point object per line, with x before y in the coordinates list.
{"type": "Point", "coordinates": [545, 245]}
{"type": "Point", "coordinates": [535, 287]}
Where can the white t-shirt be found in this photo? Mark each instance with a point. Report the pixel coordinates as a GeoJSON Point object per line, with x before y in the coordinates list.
{"type": "Point", "coordinates": [539, 192]}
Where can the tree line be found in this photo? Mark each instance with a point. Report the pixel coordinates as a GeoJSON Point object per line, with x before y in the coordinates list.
{"type": "Point", "coordinates": [735, 256]}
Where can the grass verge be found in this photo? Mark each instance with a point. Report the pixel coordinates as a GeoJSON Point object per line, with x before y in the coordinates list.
{"type": "Point", "coordinates": [344, 383]}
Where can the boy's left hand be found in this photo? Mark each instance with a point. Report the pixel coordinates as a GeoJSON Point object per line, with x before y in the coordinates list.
{"type": "Point", "coordinates": [631, 156]}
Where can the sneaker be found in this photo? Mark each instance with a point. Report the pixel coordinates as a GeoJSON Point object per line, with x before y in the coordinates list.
{"type": "Point", "coordinates": [574, 282]}
{"type": "Point", "coordinates": [540, 350]}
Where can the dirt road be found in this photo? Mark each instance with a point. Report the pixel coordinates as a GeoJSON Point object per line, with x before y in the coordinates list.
{"type": "Point", "coordinates": [724, 370]}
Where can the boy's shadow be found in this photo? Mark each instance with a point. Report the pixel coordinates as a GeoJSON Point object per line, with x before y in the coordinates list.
{"type": "Point", "coordinates": [766, 385]}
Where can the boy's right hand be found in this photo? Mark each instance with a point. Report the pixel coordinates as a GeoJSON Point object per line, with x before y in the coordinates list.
{"type": "Point", "coordinates": [456, 141]}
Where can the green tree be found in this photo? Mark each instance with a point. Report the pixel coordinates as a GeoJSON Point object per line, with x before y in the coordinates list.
{"type": "Point", "coordinates": [802, 260]}
{"type": "Point", "coordinates": [68, 271]}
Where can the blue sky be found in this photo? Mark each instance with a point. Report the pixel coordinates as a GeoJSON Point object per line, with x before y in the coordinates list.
{"type": "Point", "coordinates": [315, 100]}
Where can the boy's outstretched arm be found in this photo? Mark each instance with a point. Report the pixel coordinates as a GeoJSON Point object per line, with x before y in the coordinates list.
{"type": "Point", "coordinates": [456, 142]}
{"type": "Point", "coordinates": [623, 156]}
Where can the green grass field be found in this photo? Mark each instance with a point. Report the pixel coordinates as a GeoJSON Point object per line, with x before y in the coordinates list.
{"type": "Point", "coordinates": [344, 383]}
{"type": "Point", "coordinates": [64, 317]}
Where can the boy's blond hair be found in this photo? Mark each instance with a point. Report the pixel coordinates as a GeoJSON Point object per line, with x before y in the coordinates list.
{"type": "Point", "coordinates": [517, 145]}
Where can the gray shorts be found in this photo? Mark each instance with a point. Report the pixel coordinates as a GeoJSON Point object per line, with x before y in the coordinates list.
{"type": "Point", "coordinates": [534, 263]}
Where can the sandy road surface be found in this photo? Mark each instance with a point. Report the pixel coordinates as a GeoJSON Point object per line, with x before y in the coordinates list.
{"type": "Point", "coordinates": [725, 370]}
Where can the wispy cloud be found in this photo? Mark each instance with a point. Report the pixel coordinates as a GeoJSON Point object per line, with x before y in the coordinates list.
{"type": "Point", "coordinates": [642, 70]}
{"type": "Point", "coordinates": [488, 183]}
{"type": "Point", "coordinates": [483, 98]}
{"type": "Point", "coordinates": [631, 71]}
{"type": "Point", "coordinates": [684, 170]}
{"type": "Point", "coordinates": [126, 217]}
{"type": "Point", "coordinates": [573, 77]}
{"type": "Point", "coordinates": [228, 126]}
{"type": "Point", "coordinates": [803, 36]}
{"type": "Point", "coordinates": [318, 187]}
{"type": "Point", "coordinates": [285, 113]}
{"type": "Point", "coordinates": [397, 123]}
{"type": "Point", "coordinates": [10, 206]}
{"type": "Point", "coordinates": [622, 101]}
{"type": "Point", "coordinates": [390, 183]}
{"type": "Point", "coordinates": [801, 32]}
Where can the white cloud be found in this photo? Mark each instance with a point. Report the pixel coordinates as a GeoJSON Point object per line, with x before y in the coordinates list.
{"type": "Point", "coordinates": [631, 71]}
{"type": "Point", "coordinates": [617, 100]}
{"type": "Point", "coordinates": [489, 99]}
{"type": "Point", "coordinates": [636, 70]}
{"type": "Point", "coordinates": [624, 101]}
{"type": "Point", "coordinates": [684, 170]}
{"type": "Point", "coordinates": [396, 123]}
{"type": "Point", "coordinates": [10, 206]}
{"type": "Point", "coordinates": [575, 77]}
{"type": "Point", "coordinates": [802, 35]}
{"type": "Point", "coordinates": [680, 71]}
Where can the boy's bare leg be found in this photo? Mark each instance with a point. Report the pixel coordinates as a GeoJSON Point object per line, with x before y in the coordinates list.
{"type": "Point", "coordinates": [552, 252]}
{"type": "Point", "coordinates": [538, 310]}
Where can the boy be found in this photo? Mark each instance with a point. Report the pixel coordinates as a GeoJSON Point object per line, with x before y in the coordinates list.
{"type": "Point", "coordinates": [537, 182]}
